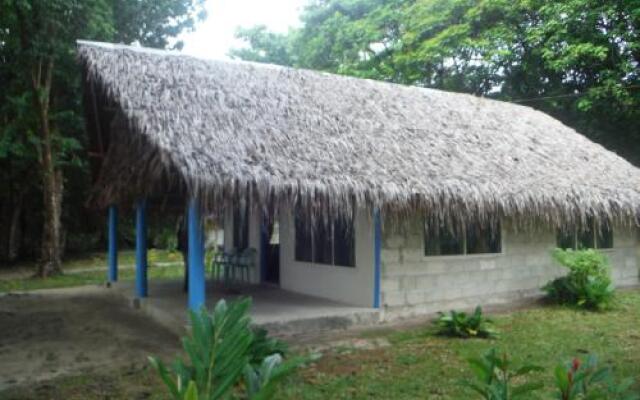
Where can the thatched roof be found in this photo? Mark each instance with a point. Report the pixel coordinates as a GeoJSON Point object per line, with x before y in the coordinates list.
{"type": "Point", "coordinates": [236, 130]}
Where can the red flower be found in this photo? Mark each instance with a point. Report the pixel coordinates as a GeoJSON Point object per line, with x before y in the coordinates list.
{"type": "Point", "coordinates": [575, 364]}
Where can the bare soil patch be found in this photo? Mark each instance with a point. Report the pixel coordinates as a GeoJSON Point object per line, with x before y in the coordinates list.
{"type": "Point", "coordinates": [48, 334]}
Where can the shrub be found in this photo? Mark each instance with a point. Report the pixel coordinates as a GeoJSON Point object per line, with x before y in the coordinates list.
{"type": "Point", "coordinates": [220, 350]}
{"type": "Point", "coordinates": [588, 282]}
{"type": "Point", "coordinates": [494, 377]}
{"type": "Point", "coordinates": [261, 381]}
{"type": "Point", "coordinates": [263, 346]}
{"type": "Point", "coordinates": [459, 324]}
{"type": "Point", "coordinates": [586, 380]}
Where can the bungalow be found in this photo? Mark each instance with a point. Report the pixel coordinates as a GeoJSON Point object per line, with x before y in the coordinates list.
{"type": "Point", "coordinates": [406, 199]}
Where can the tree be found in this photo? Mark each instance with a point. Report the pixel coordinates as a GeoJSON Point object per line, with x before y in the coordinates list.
{"type": "Point", "coordinates": [578, 60]}
{"type": "Point", "coordinates": [264, 46]}
{"type": "Point", "coordinates": [41, 96]}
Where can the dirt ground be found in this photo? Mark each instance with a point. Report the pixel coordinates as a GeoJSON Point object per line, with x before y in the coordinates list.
{"type": "Point", "coordinates": [47, 334]}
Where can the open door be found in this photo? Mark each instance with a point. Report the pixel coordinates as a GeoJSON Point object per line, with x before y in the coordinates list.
{"type": "Point", "coordinates": [271, 252]}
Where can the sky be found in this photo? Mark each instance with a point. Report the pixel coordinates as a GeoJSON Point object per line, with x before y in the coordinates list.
{"type": "Point", "coordinates": [214, 37]}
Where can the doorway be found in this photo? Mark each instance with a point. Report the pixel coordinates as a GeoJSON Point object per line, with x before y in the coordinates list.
{"type": "Point", "coordinates": [271, 252]}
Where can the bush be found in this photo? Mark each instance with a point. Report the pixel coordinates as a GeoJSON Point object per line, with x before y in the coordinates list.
{"type": "Point", "coordinates": [494, 376]}
{"type": "Point", "coordinates": [459, 324]}
{"type": "Point", "coordinates": [264, 346]}
{"type": "Point", "coordinates": [165, 238]}
{"type": "Point", "coordinates": [222, 353]}
{"type": "Point", "coordinates": [588, 282]}
{"type": "Point", "coordinates": [586, 380]}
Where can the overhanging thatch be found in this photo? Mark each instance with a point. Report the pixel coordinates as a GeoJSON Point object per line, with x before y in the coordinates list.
{"type": "Point", "coordinates": [235, 130]}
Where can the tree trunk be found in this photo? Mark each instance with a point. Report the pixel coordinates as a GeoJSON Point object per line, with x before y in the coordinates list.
{"type": "Point", "coordinates": [51, 175]}
{"type": "Point", "coordinates": [15, 230]}
{"type": "Point", "coordinates": [50, 259]}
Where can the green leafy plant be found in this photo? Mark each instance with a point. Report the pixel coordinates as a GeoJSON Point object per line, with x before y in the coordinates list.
{"type": "Point", "coordinates": [263, 346]}
{"type": "Point", "coordinates": [222, 349]}
{"type": "Point", "coordinates": [588, 282]}
{"type": "Point", "coordinates": [459, 324]}
{"type": "Point", "coordinates": [586, 380]}
{"type": "Point", "coordinates": [261, 381]}
{"type": "Point", "coordinates": [494, 376]}
{"type": "Point", "coordinates": [218, 351]}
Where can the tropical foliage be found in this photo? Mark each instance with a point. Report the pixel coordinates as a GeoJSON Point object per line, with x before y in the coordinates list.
{"type": "Point", "coordinates": [494, 377]}
{"type": "Point", "coordinates": [587, 283]}
{"type": "Point", "coordinates": [263, 346]}
{"type": "Point", "coordinates": [587, 380]}
{"type": "Point", "coordinates": [222, 350]}
{"type": "Point", "coordinates": [461, 324]}
{"type": "Point", "coordinates": [43, 162]}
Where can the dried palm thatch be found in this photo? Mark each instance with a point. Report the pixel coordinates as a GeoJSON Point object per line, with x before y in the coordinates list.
{"type": "Point", "coordinates": [233, 131]}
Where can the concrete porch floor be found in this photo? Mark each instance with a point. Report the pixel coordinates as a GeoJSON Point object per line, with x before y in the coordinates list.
{"type": "Point", "coordinates": [282, 312]}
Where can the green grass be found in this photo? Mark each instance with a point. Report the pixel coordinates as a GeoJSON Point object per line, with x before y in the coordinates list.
{"type": "Point", "coordinates": [419, 364]}
{"type": "Point", "coordinates": [18, 278]}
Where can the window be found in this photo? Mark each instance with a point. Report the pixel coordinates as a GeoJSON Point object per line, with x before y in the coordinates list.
{"type": "Point", "coordinates": [344, 253]}
{"type": "Point", "coordinates": [304, 241]}
{"type": "Point", "coordinates": [240, 229]}
{"type": "Point", "coordinates": [589, 237]}
{"type": "Point", "coordinates": [483, 239]}
{"type": "Point", "coordinates": [443, 242]}
{"type": "Point", "coordinates": [472, 239]}
{"type": "Point", "coordinates": [325, 243]}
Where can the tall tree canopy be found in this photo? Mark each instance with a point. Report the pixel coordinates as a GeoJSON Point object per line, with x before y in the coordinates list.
{"type": "Point", "coordinates": [575, 59]}
{"type": "Point", "coordinates": [42, 132]}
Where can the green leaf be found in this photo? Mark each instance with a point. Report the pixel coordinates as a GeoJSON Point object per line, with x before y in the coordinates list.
{"type": "Point", "coordinates": [192, 392]}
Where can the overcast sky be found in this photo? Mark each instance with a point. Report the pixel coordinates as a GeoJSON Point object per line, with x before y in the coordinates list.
{"type": "Point", "coordinates": [215, 36]}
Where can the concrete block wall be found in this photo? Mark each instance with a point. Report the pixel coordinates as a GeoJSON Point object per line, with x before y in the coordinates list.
{"type": "Point", "coordinates": [414, 284]}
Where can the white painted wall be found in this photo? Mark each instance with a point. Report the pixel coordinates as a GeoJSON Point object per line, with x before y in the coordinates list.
{"type": "Point", "coordinates": [352, 286]}
{"type": "Point", "coordinates": [413, 283]}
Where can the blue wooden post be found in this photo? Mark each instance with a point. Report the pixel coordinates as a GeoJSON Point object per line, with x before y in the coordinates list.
{"type": "Point", "coordinates": [141, 248]}
{"type": "Point", "coordinates": [112, 274]}
{"type": "Point", "coordinates": [196, 257]}
{"type": "Point", "coordinates": [377, 267]}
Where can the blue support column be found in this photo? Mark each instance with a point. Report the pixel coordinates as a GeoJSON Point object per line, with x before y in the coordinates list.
{"type": "Point", "coordinates": [112, 274]}
{"type": "Point", "coordinates": [141, 248]}
{"type": "Point", "coordinates": [196, 257]}
{"type": "Point", "coordinates": [377, 266]}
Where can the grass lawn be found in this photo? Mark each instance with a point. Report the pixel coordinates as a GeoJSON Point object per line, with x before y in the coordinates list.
{"type": "Point", "coordinates": [91, 269]}
{"type": "Point", "coordinates": [418, 364]}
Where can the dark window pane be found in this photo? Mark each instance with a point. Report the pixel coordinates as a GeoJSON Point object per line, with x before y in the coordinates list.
{"type": "Point", "coordinates": [586, 236]}
{"type": "Point", "coordinates": [303, 251]}
{"type": "Point", "coordinates": [605, 237]}
{"type": "Point", "coordinates": [483, 239]}
{"type": "Point", "coordinates": [441, 241]}
{"type": "Point", "coordinates": [344, 243]}
{"type": "Point", "coordinates": [322, 248]}
{"type": "Point", "coordinates": [240, 229]}
{"type": "Point", "coordinates": [566, 239]}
